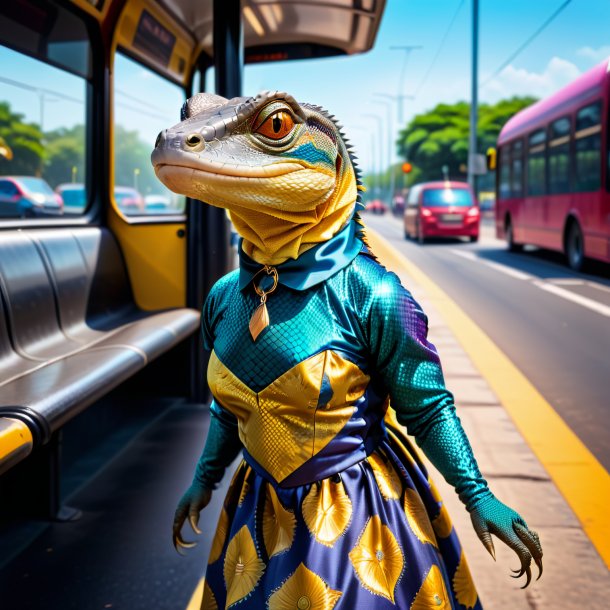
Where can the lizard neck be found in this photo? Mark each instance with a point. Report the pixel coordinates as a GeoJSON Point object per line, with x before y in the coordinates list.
{"type": "Point", "coordinates": [270, 239]}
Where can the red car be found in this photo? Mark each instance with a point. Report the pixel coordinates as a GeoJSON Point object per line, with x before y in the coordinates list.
{"type": "Point", "coordinates": [441, 209]}
{"type": "Point", "coordinates": [376, 206]}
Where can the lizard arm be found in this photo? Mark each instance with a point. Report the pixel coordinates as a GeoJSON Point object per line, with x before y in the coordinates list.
{"type": "Point", "coordinates": [411, 371]}
{"type": "Point", "coordinates": [221, 448]}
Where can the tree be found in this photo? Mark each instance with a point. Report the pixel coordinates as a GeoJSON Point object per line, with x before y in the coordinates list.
{"type": "Point", "coordinates": [65, 155]}
{"type": "Point", "coordinates": [439, 137]}
{"type": "Point", "coordinates": [24, 140]}
{"type": "Point", "coordinates": [132, 165]}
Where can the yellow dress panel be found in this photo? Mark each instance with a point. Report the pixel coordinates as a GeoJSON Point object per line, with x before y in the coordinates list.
{"type": "Point", "coordinates": [283, 426]}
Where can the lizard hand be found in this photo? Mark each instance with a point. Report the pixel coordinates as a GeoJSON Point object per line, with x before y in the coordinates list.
{"type": "Point", "coordinates": [192, 502]}
{"type": "Point", "coordinates": [491, 516]}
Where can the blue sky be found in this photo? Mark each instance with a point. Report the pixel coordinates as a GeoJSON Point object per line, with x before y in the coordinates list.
{"type": "Point", "coordinates": [574, 42]}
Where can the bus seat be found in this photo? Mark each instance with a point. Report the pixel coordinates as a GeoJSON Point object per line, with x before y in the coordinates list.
{"type": "Point", "coordinates": [70, 330]}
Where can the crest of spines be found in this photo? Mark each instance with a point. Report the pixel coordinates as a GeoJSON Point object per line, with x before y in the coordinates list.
{"type": "Point", "coordinates": [361, 232]}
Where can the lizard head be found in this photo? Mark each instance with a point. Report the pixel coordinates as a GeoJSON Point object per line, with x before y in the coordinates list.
{"type": "Point", "coordinates": [281, 168]}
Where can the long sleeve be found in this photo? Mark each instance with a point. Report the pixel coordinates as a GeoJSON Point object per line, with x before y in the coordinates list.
{"type": "Point", "coordinates": [221, 447]}
{"type": "Point", "coordinates": [411, 371]}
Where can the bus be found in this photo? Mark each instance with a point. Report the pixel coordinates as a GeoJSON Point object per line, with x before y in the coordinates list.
{"type": "Point", "coordinates": [103, 273]}
{"type": "Point", "coordinates": [552, 184]}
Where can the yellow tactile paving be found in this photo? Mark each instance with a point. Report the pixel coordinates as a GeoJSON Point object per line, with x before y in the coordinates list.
{"type": "Point", "coordinates": [195, 603]}
{"type": "Point", "coordinates": [582, 480]}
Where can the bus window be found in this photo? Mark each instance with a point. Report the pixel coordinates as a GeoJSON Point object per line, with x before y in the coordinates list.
{"type": "Point", "coordinates": [559, 156]}
{"type": "Point", "coordinates": [588, 148]}
{"type": "Point", "coordinates": [517, 173]}
{"type": "Point", "coordinates": [42, 139]}
{"type": "Point", "coordinates": [536, 163]}
{"type": "Point", "coordinates": [144, 104]}
{"type": "Point", "coordinates": [505, 171]}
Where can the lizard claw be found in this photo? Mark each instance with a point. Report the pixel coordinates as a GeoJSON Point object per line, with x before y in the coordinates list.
{"type": "Point", "coordinates": [179, 544]}
{"type": "Point", "coordinates": [193, 519]}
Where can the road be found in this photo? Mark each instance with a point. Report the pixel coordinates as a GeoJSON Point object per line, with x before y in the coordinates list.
{"type": "Point", "coordinates": [553, 323]}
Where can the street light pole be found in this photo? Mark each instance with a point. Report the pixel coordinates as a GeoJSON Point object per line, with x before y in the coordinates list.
{"type": "Point", "coordinates": [380, 135]}
{"type": "Point", "coordinates": [390, 150]}
{"type": "Point", "coordinates": [474, 101]}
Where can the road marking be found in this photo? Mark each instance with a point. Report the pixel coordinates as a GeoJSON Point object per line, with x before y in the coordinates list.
{"type": "Point", "coordinates": [576, 472]}
{"type": "Point", "coordinates": [519, 275]}
{"type": "Point", "coordinates": [567, 282]}
{"type": "Point", "coordinates": [574, 298]}
{"type": "Point", "coordinates": [465, 254]}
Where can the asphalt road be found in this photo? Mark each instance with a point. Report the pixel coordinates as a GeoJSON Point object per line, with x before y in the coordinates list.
{"type": "Point", "coordinates": [553, 323]}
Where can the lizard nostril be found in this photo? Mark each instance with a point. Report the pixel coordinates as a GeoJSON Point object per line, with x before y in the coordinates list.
{"type": "Point", "coordinates": [194, 140]}
{"type": "Point", "coordinates": [158, 140]}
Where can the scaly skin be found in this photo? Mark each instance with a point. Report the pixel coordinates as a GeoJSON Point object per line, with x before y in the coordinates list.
{"type": "Point", "coordinates": [286, 175]}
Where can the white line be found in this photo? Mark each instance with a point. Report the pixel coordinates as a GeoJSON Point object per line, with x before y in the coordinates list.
{"type": "Point", "coordinates": [520, 275]}
{"type": "Point", "coordinates": [575, 298]}
{"type": "Point", "coordinates": [469, 255]}
{"type": "Point", "coordinates": [566, 282]}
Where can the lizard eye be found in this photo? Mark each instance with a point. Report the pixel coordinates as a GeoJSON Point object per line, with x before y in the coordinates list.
{"type": "Point", "coordinates": [276, 126]}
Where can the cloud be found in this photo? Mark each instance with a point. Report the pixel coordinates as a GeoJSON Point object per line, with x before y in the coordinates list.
{"type": "Point", "coordinates": [519, 81]}
{"type": "Point", "coordinates": [594, 55]}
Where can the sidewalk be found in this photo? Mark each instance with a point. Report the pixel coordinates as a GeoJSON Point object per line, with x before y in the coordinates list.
{"type": "Point", "coordinates": [575, 577]}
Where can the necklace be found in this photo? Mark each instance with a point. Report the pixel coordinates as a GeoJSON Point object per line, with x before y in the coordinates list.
{"type": "Point", "coordinates": [260, 318]}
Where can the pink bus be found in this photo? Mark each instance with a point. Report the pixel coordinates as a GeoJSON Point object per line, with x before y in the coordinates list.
{"type": "Point", "coordinates": [553, 184]}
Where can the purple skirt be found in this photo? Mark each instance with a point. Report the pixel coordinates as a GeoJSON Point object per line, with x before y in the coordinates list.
{"type": "Point", "coordinates": [375, 536]}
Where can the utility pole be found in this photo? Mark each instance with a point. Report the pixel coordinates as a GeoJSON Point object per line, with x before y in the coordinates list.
{"type": "Point", "coordinates": [474, 98]}
{"type": "Point", "coordinates": [408, 49]}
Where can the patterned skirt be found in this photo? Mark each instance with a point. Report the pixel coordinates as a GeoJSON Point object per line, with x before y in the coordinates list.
{"type": "Point", "coordinates": [376, 536]}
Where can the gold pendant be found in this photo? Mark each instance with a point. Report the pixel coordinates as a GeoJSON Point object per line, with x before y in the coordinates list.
{"type": "Point", "coordinates": [259, 320]}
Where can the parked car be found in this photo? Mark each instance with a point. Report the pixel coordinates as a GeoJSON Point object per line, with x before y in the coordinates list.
{"type": "Point", "coordinates": [441, 209]}
{"type": "Point", "coordinates": [74, 196]}
{"type": "Point", "coordinates": [129, 200]}
{"type": "Point", "coordinates": [159, 204]}
{"type": "Point", "coordinates": [376, 206]}
{"type": "Point", "coordinates": [28, 197]}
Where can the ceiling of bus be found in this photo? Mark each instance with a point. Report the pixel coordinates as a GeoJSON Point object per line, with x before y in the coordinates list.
{"type": "Point", "coordinates": [350, 26]}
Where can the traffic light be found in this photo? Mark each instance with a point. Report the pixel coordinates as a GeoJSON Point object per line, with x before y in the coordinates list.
{"type": "Point", "coordinates": [407, 167]}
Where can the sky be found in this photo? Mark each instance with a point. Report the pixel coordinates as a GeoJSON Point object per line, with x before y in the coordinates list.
{"type": "Point", "coordinates": [575, 41]}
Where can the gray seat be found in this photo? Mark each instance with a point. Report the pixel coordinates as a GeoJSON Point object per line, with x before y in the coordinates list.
{"type": "Point", "coordinates": [69, 327]}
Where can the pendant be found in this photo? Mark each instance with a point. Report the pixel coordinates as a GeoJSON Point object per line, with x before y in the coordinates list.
{"type": "Point", "coordinates": [259, 320]}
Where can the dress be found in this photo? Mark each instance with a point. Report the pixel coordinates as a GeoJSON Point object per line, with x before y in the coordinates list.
{"type": "Point", "coordinates": [331, 507]}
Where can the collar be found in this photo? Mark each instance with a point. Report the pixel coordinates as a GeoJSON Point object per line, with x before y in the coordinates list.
{"type": "Point", "coordinates": [313, 266]}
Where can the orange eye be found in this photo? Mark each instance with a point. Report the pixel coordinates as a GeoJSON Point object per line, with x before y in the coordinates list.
{"type": "Point", "coordinates": [276, 126]}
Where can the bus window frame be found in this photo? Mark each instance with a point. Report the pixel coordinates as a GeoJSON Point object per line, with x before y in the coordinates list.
{"type": "Point", "coordinates": [505, 159]}
{"type": "Point", "coordinates": [535, 149]}
{"type": "Point", "coordinates": [94, 155]}
{"type": "Point", "coordinates": [513, 158]}
{"type": "Point", "coordinates": [139, 219]}
{"type": "Point", "coordinates": [593, 130]}
{"type": "Point", "coordinates": [553, 143]}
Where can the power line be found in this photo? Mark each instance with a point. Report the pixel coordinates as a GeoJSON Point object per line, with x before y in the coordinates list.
{"type": "Point", "coordinates": [440, 47]}
{"type": "Point", "coordinates": [20, 85]}
{"type": "Point", "coordinates": [527, 42]}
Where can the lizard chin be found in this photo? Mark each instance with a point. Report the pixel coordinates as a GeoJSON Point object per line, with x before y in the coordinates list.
{"type": "Point", "coordinates": [286, 191]}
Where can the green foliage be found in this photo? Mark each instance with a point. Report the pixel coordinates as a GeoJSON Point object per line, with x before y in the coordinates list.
{"type": "Point", "coordinates": [440, 136]}
{"type": "Point", "coordinates": [65, 155]}
{"type": "Point", "coordinates": [59, 156]}
{"type": "Point", "coordinates": [24, 139]}
{"type": "Point", "coordinates": [132, 162]}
